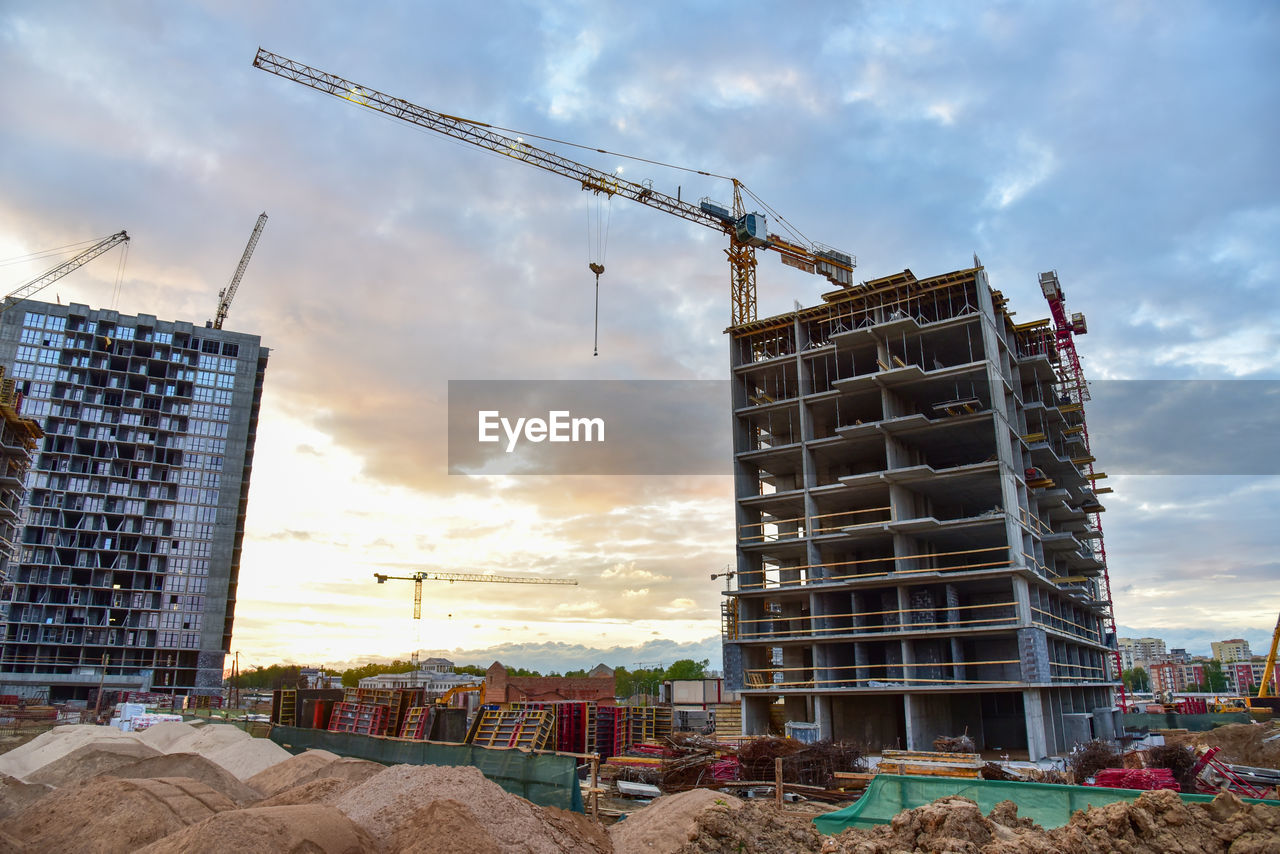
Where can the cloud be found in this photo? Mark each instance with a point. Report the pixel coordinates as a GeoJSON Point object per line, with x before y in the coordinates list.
{"type": "Point", "coordinates": [1049, 136]}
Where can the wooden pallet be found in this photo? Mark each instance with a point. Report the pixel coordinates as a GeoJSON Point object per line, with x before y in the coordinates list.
{"type": "Point", "coordinates": [728, 720]}
{"type": "Point", "coordinates": [528, 728]}
{"type": "Point", "coordinates": [925, 763]}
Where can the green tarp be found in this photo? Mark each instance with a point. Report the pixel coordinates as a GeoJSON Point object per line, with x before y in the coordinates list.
{"type": "Point", "coordinates": [1048, 805]}
{"type": "Point", "coordinates": [547, 779]}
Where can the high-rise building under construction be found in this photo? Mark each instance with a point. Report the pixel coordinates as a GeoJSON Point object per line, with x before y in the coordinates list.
{"type": "Point", "coordinates": [918, 546]}
{"type": "Point", "coordinates": [134, 515]}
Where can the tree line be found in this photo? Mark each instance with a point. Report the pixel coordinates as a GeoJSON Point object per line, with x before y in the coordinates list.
{"type": "Point", "coordinates": [626, 682]}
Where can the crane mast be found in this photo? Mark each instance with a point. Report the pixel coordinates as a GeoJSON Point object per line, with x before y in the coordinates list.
{"type": "Point", "coordinates": [71, 264]}
{"type": "Point", "coordinates": [228, 293]}
{"type": "Point", "coordinates": [747, 232]}
{"type": "Point", "coordinates": [418, 577]}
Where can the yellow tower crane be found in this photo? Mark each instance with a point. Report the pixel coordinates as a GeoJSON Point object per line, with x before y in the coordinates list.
{"type": "Point", "coordinates": [48, 277]}
{"type": "Point", "coordinates": [227, 294]}
{"type": "Point", "coordinates": [746, 231]}
{"type": "Point", "coordinates": [418, 577]}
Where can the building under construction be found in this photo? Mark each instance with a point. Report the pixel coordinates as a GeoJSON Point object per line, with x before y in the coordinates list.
{"type": "Point", "coordinates": [129, 550]}
{"type": "Point", "coordinates": [918, 546]}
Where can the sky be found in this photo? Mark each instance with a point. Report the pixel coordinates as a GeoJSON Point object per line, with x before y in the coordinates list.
{"type": "Point", "coordinates": [1128, 145]}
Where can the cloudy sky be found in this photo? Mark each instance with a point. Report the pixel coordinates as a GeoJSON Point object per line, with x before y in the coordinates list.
{"type": "Point", "coordinates": [1129, 145]}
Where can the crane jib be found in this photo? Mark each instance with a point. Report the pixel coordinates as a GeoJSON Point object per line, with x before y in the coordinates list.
{"type": "Point", "coordinates": [746, 230]}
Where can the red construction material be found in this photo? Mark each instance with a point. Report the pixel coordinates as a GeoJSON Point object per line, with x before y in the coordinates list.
{"type": "Point", "coordinates": [358, 718]}
{"type": "Point", "coordinates": [1144, 779]}
{"type": "Point", "coordinates": [726, 770]}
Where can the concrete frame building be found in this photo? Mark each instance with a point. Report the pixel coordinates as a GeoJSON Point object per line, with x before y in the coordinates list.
{"type": "Point", "coordinates": [18, 438]}
{"type": "Point", "coordinates": [135, 507]}
{"type": "Point", "coordinates": [917, 548]}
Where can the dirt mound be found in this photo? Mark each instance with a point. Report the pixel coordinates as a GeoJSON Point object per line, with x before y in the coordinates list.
{"type": "Point", "coordinates": [669, 823]}
{"type": "Point", "coordinates": [326, 790]}
{"type": "Point", "coordinates": [1242, 744]}
{"type": "Point", "coordinates": [54, 744]}
{"type": "Point", "coordinates": [107, 814]}
{"type": "Point", "coordinates": [292, 771]}
{"type": "Point", "coordinates": [1157, 823]}
{"type": "Point", "coordinates": [395, 795]}
{"type": "Point", "coordinates": [15, 796]}
{"type": "Point", "coordinates": [951, 824]}
{"type": "Point", "coordinates": [308, 829]}
{"type": "Point", "coordinates": [90, 760]}
{"type": "Point", "coordinates": [196, 767]}
{"type": "Point", "coordinates": [755, 828]}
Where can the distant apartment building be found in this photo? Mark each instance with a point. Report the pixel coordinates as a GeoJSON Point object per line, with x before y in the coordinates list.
{"type": "Point", "coordinates": [129, 554]}
{"type": "Point", "coordinates": [1240, 678]}
{"type": "Point", "coordinates": [1137, 651]}
{"type": "Point", "coordinates": [1227, 651]}
{"type": "Point", "coordinates": [1172, 676]}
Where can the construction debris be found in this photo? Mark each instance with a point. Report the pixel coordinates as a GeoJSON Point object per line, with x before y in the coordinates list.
{"type": "Point", "coordinates": [959, 744]}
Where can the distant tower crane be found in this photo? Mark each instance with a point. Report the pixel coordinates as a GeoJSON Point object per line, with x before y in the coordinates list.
{"type": "Point", "coordinates": [48, 278]}
{"type": "Point", "coordinates": [747, 232]}
{"type": "Point", "coordinates": [229, 292]}
{"type": "Point", "coordinates": [418, 577]}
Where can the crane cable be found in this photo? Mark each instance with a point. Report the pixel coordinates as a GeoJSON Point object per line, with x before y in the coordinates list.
{"type": "Point", "coordinates": [597, 248]}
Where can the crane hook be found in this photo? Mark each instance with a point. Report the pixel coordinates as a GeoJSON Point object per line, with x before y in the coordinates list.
{"type": "Point", "coordinates": [597, 269]}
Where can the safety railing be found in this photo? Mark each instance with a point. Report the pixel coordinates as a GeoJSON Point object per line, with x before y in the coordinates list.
{"type": "Point", "coordinates": [818, 573]}
{"type": "Point", "coordinates": [801, 625]}
{"type": "Point", "coordinates": [894, 675]}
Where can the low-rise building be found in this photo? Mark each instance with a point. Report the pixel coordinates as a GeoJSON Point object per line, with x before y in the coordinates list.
{"type": "Point", "coordinates": [598, 686]}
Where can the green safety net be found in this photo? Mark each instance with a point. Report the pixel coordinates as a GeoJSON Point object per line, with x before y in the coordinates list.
{"type": "Point", "coordinates": [547, 779]}
{"type": "Point", "coordinates": [1047, 804]}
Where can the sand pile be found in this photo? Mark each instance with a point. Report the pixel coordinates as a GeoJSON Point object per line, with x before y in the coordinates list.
{"type": "Point", "coordinates": [294, 771]}
{"type": "Point", "coordinates": [196, 767]}
{"type": "Point", "coordinates": [402, 794]}
{"type": "Point", "coordinates": [106, 814]}
{"type": "Point", "coordinates": [669, 823]}
{"type": "Point", "coordinates": [326, 790]}
{"type": "Point", "coordinates": [55, 744]}
{"type": "Point", "coordinates": [310, 766]}
{"type": "Point", "coordinates": [15, 795]}
{"type": "Point", "coordinates": [90, 760]}
{"type": "Point", "coordinates": [89, 750]}
{"type": "Point", "coordinates": [311, 829]}
{"type": "Point", "coordinates": [165, 736]}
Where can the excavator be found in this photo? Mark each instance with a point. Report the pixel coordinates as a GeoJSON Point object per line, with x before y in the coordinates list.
{"type": "Point", "coordinates": [445, 698]}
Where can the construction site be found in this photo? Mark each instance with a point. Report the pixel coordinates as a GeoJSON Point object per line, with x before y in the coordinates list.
{"type": "Point", "coordinates": [919, 646]}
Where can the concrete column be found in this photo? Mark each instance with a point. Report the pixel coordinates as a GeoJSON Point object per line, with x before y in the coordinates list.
{"type": "Point", "coordinates": [1022, 598]}
{"type": "Point", "coordinates": [822, 716]}
{"type": "Point", "coordinates": [1033, 714]}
